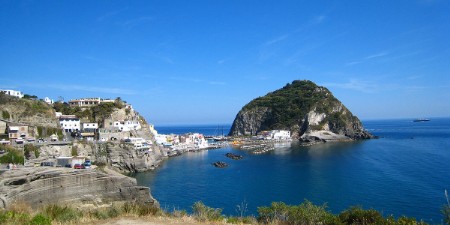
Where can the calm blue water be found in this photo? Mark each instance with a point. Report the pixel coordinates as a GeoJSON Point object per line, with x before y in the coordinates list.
{"type": "Point", "coordinates": [405, 172]}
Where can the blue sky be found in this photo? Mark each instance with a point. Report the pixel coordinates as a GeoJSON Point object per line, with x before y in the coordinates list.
{"type": "Point", "coordinates": [199, 62]}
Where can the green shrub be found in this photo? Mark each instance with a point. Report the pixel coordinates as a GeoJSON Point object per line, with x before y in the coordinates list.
{"type": "Point", "coordinates": [357, 215]}
{"type": "Point", "coordinates": [61, 213]}
{"type": "Point", "coordinates": [204, 213]}
{"type": "Point", "coordinates": [140, 209]}
{"type": "Point", "coordinates": [74, 151]}
{"type": "Point", "coordinates": [5, 115]}
{"type": "Point", "coordinates": [13, 217]}
{"type": "Point", "coordinates": [103, 214]}
{"type": "Point", "coordinates": [305, 213]}
{"type": "Point", "coordinates": [146, 209]}
{"type": "Point", "coordinates": [241, 220]}
{"type": "Point", "coordinates": [40, 219]}
{"type": "Point", "coordinates": [13, 156]}
{"type": "Point", "coordinates": [30, 148]}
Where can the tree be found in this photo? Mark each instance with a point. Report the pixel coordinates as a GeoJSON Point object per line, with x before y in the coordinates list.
{"type": "Point", "coordinates": [32, 97]}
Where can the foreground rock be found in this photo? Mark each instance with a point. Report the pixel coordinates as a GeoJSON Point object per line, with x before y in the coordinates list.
{"type": "Point", "coordinates": [41, 186]}
{"type": "Point", "coordinates": [310, 112]}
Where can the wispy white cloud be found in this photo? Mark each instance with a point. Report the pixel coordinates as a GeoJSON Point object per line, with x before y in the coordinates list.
{"type": "Point", "coordinates": [276, 40]}
{"type": "Point", "coordinates": [319, 19]}
{"type": "Point", "coordinates": [221, 61]}
{"type": "Point", "coordinates": [368, 58]}
{"type": "Point", "coordinates": [414, 77]}
{"type": "Point", "coordinates": [131, 23]}
{"type": "Point", "coordinates": [196, 80]}
{"type": "Point", "coordinates": [356, 85]}
{"type": "Point", "coordinates": [353, 63]}
{"type": "Point", "coordinates": [217, 83]}
{"type": "Point", "coordinates": [377, 55]}
{"type": "Point", "coordinates": [110, 14]}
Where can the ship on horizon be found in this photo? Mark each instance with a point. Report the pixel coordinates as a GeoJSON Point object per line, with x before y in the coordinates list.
{"type": "Point", "coordinates": [421, 120]}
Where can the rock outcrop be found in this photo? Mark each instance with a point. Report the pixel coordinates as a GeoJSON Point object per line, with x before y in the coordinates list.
{"type": "Point", "coordinates": [309, 111]}
{"type": "Point", "coordinates": [125, 158]}
{"type": "Point", "coordinates": [41, 186]}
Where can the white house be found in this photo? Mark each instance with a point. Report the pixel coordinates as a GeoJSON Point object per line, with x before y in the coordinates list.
{"type": "Point", "coordinates": [69, 123]}
{"type": "Point", "coordinates": [127, 125]}
{"type": "Point", "coordinates": [13, 93]}
{"type": "Point", "coordinates": [48, 100]}
{"type": "Point", "coordinates": [88, 102]}
{"type": "Point", "coordinates": [161, 138]}
{"type": "Point", "coordinates": [90, 126]}
{"type": "Point", "coordinates": [198, 140]}
{"type": "Point", "coordinates": [280, 135]}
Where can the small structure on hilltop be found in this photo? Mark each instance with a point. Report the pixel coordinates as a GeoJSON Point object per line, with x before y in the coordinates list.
{"type": "Point", "coordinates": [14, 93]}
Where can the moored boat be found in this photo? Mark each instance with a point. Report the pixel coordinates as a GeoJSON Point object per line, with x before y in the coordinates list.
{"type": "Point", "coordinates": [421, 120]}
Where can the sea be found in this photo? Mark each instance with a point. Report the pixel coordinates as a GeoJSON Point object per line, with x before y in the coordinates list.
{"type": "Point", "coordinates": [404, 172]}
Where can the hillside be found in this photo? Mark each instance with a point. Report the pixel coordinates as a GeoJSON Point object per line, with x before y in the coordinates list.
{"type": "Point", "coordinates": [28, 111]}
{"type": "Point", "coordinates": [309, 111]}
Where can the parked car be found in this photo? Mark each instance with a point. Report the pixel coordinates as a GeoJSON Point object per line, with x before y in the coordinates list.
{"type": "Point", "coordinates": [78, 166]}
{"type": "Point", "coordinates": [47, 163]}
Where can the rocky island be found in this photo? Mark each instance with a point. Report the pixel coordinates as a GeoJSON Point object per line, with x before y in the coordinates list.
{"type": "Point", "coordinates": [310, 112]}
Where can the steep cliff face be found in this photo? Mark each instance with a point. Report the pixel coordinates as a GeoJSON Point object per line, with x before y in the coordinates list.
{"type": "Point", "coordinates": [41, 186]}
{"type": "Point", "coordinates": [307, 110]}
{"type": "Point", "coordinates": [125, 158]}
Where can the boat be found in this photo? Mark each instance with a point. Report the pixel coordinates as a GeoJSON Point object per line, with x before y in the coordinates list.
{"type": "Point", "coordinates": [421, 120]}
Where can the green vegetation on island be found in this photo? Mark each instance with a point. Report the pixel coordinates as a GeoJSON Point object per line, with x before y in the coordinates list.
{"type": "Point", "coordinates": [291, 108]}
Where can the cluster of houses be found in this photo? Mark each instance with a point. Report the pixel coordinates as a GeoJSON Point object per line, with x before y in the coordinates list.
{"type": "Point", "coordinates": [18, 132]}
{"type": "Point", "coordinates": [189, 141]}
{"type": "Point", "coordinates": [88, 130]}
{"type": "Point", "coordinates": [275, 135]}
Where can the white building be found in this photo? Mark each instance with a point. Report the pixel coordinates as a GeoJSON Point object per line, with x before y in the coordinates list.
{"type": "Point", "coordinates": [90, 126]}
{"type": "Point", "coordinates": [13, 93]}
{"type": "Point", "coordinates": [69, 123]}
{"type": "Point", "coordinates": [280, 135]}
{"type": "Point", "coordinates": [127, 125]}
{"type": "Point", "coordinates": [88, 102]}
{"type": "Point", "coordinates": [198, 140]}
{"type": "Point", "coordinates": [48, 101]}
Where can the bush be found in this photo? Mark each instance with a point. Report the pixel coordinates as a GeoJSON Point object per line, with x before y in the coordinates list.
{"type": "Point", "coordinates": [204, 213]}
{"type": "Point", "coordinates": [357, 215]}
{"type": "Point", "coordinates": [74, 151]}
{"type": "Point", "coordinates": [305, 213]}
{"type": "Point", "coordinates": [5, 115]}
{"type": "Point", "coordinates": [61, 213]}
{"type": "Point", "coordinates": [13, 217]}
{"type": "Point", "coordinates": [40, 219]}
{"type": "Point", "coordinates": [13, 156]}
{"type": "Point", "coordinates": [30, 148]}
{"type": "Point", "coordinates": [140, 209]}
{"type": "Point", "coordinates": [110, 212]}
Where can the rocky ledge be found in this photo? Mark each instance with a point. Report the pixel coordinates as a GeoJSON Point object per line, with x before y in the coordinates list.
{"type": "Point", "coordinates": [41, 186]}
